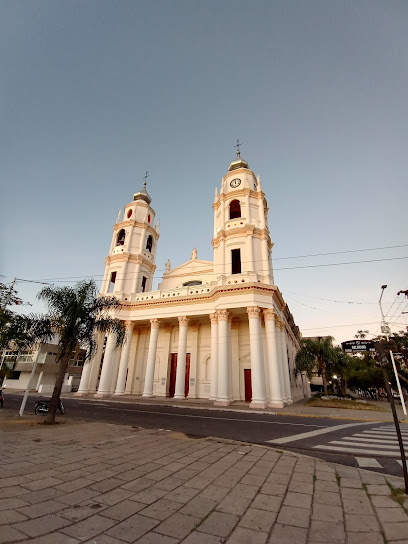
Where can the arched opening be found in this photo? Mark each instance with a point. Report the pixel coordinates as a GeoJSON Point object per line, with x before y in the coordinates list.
{"type": "Point", "coordinates": [120, 240]}
{"type": "Point", "coordinates": [149, 243]}
{"type": "Point", "coordinates": [234, 209]}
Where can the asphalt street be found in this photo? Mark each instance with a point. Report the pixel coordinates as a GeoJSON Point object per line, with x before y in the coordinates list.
{"type": "Point", "coordinates": [339, 441]}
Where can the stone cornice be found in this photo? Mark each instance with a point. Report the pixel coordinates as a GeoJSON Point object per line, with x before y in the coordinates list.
{"type": "Point", "coordinates": [130, 223]}
{"type": "Point", "coordinates": [247, 230]}
{"type": "Point", "coordinates": [222, 197]}
{"type": "Point", "coordinates": [127, 257]}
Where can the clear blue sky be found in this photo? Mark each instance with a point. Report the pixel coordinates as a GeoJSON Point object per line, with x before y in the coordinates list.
{"type": "Point", "coordinates": [94, 93]}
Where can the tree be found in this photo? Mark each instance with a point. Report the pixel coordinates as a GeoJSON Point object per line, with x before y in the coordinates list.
{"type": "Point", "coordinates": [75, 315]}
{"type": "Point", "coordinates": [315, 352]}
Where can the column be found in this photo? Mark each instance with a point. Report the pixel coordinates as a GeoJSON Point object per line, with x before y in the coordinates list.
{"type": "Point", "coordinates": [285, 366]}
{"type": "Point", "coordinates": [95, 363]}
{"type": "Point", "coordinates": [124, 358]}
{"type": "Point", "coordinates": [235, 368]}
{"type": "Point", "coordinates": [108, 361]}
{"type": "Point", "coordinates": [257, 370]}
{"type": "Point", "coordinates": [214, 356]}
{"type": "Point", "coordinates": [121, 277]}
{"type": "Point", "coordinates": [151, 358]}
{"type": "Point", "coordinates": [180, 388]}
{"type": "Point", "coordinates": [193, 342]}
{"type": "Point", "coordinates": [140, 360]}
{"type": "Point", "coordinates": [164, 369]}
{"type": "Point", "coordinates": [274, 367]}
{"type": "Point", "coordinates": [136, 286]}
{"type": "Point", "coordinates": [223, 393]}
{"type": "Point", "coordinates": [132, 362]}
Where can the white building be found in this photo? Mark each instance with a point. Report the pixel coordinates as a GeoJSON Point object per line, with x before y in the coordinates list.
{"type": "Point", "coordinates": [219, 330]}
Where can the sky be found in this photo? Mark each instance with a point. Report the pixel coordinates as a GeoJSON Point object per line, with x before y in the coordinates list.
{"type": "Point", "coordinates": [94, 93]}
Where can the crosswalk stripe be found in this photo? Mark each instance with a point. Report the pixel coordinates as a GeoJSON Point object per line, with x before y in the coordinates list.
{"type": "Point", "coordinates": [356, 450]}
{"type": "Point", "coordinates": [368, 462]}
{"type": "Point", "coordinates": [363, 438]}
{"type": "Point", "coordinates": [384, 433]}
{"type": "Point", "coordinates": [373, 444]}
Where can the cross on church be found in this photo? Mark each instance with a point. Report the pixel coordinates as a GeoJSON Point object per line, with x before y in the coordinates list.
{"type": "Point", "coordinates": [145, 178]}
{"type": "Point", "coordinates": [237, 146]}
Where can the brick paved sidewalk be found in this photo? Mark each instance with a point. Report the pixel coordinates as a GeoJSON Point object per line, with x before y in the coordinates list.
{"type": "Point", "coordinates": [109, 484]}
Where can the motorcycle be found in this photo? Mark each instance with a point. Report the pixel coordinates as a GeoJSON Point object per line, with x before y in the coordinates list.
{"type": "Point", "coordinates": [42, 406]}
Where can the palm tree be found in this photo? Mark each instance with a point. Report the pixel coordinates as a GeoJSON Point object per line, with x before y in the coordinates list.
{"type": "Point", "coordinates": [315, 352]}
{"type": "Point", "coordinates": [75, 314]}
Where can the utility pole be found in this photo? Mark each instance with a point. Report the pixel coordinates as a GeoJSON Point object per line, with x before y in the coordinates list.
{"type": "Point", "coordinates": [385, 329]}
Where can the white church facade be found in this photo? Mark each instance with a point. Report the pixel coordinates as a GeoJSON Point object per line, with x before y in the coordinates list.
{"type": "Point", "coordinates": [216, 330]}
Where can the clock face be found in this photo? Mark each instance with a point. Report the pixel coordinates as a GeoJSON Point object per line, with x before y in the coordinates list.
{"type": "Point", "coordinates": [235, 183]}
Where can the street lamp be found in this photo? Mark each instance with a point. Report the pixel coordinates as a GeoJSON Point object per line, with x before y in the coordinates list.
{"type": "Point", "coordinates": [385, 329]}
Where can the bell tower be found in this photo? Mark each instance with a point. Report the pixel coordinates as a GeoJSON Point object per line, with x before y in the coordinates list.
{"type": "Point", "coordinates": [241, 242]}
{"type": "Point", "coordinates": [130, 265]}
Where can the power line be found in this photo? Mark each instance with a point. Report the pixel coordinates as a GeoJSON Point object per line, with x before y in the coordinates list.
{"type": "Point", "coordinates": [338, 252]}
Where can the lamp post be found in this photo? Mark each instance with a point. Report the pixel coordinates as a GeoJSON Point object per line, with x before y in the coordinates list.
{"type": "Point", "coordinates": [385, 329]}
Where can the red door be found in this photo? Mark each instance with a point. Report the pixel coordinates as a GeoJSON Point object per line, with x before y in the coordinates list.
{"type": "Point", "coordinates": [248, 384]}
{"type": "Point", "coordinates": [173, 372]}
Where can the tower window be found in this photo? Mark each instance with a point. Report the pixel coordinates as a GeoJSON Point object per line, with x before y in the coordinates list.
{"type": "Point", "coordinates": [120, 240]}
{"type": "Point", "coordinates": [234, 209]}
{"type": "Point", "coordinates": [112, 282]}
{"type": "Point", "coordinates": [144, 280]}
{"type": "Point", "coordinates": [236, 261]}
{"type": "Point", "coordinates": [149, 243]}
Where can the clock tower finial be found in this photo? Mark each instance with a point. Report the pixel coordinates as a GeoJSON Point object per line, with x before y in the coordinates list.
{"type": "Point", "coordinates": [238, 144]}
{"type": "Point", "coordinates": [238, 162]}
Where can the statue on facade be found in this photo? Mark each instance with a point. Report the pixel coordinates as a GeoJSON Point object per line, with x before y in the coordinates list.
{"type": "Point", "coordinates": [194, 254]}
{"type": "Point", "coordinates": [168, 265]}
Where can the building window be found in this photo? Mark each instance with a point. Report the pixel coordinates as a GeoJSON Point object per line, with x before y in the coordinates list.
{"type": "Point", "coordinates": [112, 282]}
{"type": "Point", "coordinates": [149, 243]}
{"type": "Point", "coordinates": [120, 240]}
{"type": "Point", "coordinates": [144, 280]}
{"type": "Point", "coordinates": [234, 209]}
{"type": "Point", "coordinates": [192, 282]}
{"type": "Point", "coordinates": [236, 261]}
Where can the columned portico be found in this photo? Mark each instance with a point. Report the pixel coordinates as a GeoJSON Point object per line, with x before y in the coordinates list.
{"type": "Point", "coordinates": [274, 365]}
{"type": "Point", "coordinates": [107, 367]}
{"type": "Point", "coordinates": [285, 366]}
{"type": "Point", "coordinates": [181, 359]}
{"type": "Point", "coordinates": [223, 393]}
{"type": "Point", "coordinates": [257, 368]}
{"type": "Point", "coordinates": [90, 371]}
{"type": "Point", "coordinates": [151, 358]}
{"type": "Point", "coordinates": [124, 358]}
{"type": "Point", "coordinates": [214, 356]}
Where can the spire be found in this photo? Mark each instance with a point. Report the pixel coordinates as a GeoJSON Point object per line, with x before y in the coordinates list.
{"type": "Point", "coordinates": [142, 194]}
{"type": "Point", "coordinates": [239, 162]}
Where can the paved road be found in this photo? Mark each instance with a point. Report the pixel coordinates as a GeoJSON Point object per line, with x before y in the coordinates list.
{"type": "Point", "coordinates": [366, 444]}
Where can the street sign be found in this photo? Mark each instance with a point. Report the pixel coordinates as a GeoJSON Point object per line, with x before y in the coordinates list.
{"type": "Point", "coordinates": [355, 346]}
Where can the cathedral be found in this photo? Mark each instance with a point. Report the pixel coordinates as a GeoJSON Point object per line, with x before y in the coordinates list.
{"type": "Point", "coordinates": [217, 330]}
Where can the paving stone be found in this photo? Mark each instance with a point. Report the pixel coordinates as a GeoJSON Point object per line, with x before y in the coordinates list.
{"type": "Point", "coordinates": [102, 475]}
{"type": "Point", "coordinates": [326, 476]}
{"type": "Point", "coordinates": [82, 511]}
{"type": "Point", "coordinates": [296, 517]}
{"type": "Point", "coordinates": [228, 481]}
{"type": "Point", "coordinates": [252, 479]}
{"type": "Point", "coordinates": [156, 538]}
{"type": "Point", "coordinates": [14, 480]}
{"type": "Point", "coordinates": [116, 495]}
{"type": "Point", "coordinates": [13, 491]}
{"type": "Point", "coordinates": [218, 524]}
{"type": "Point", "coordinates": [103, 539]}
{"type": "Point", "coordinates": [10, 534]}
{"type": "Point", "coordinates": [300, 500]}
{"type": "Point", "coordinates": [325, 512]}
{"type": "Point", "coordinates": [347, 493]}
{"type": "Point", "coordinates": [77, 497]}
{"type": "Point", "coordinates": [182, 494]}
{"type": "Point", "coordinates": [271, 488]}
{"type": "Point", "coordinates": [14, 502]}
{"type": "Point", "coordinates": [43, 483]}
{"type": "Point", "coordinates": [324, 497]}
{"type": "Point", "coordinates": [42, 508]}
{"type": "Point", "coordinates": [123, 510]}
{"type": "Point", "coordinates": [395, 531]}
{"type": "Point", "coordinates": [365, 538]}
{"type": "Point", "coordinates": [258, 520]}
{"type": "Point", "coordinates": [378, 489]}
{"type": "Point", "coordinates": [214, 492]}
{"type": "Point", "coordinates": [89, 527]}
{"type": "Point", "coordinates": [246, 491]}
{"type": "Point", "coordinates": [260, 470]}
{"type": "Point", "coordinates": [351, 482]}
{"type": "Point", "coordinates": [177, 526]}
{"type": "Point", "coordinates": [327, 532]}
{"type": "Point", "coordinates": [233, 504]}
{"type": "Point", "coordinates": [267, 502]}
{"type": "Point", "coordinates": [380, 501]}
{"type": "Point", "coordinates": [198, 482]}
{"type": "Point", "coordinates": [161, 509]}
{"type": "Point", "coordinates": [168, 484]}
{"type": "Point", "coordinates": [357, 506]}
{"type": "Point", "coordinates": [132, 528]}
{"type": "Point", "coordinates": [368, 477]}
{"type": "Point", "coordinates": [302, 477]}
{"type": "Point", "coordinates": [391, 515]}
{"type": "Point", "coordinates": [278, 478]}
{"type": "Point", "coordinates": [199, 507]}
{"type": "Point", "coordinates": [106, 485]}
{"type": "Point", "coordinates": [74, 485]}
{"type": "Point", "coordinates": [41, 526]}
{"type": "Point", "coordinates": [203, 538]}
{"type": "Point", "coordinates": [138, 485]}
{"type": "Point", "coordinates": [282, 534]}
{"type": "Point", "coordinates": [7, 517]}
{"type": "Point", "coordinates": [243, 535]}
{"type": "Point", "coordinates": [361, 523]}
{"type": "Point", "coordinates": [148, 496]}
{"type": "Point", "coordinates": [322, 485]}
{"type": "Point", "coordinates": [53, 538]}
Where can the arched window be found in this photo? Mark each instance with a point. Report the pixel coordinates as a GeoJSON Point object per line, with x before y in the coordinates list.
{"type": "Point", "coordinates": [149, 243]}
{"type": "Point", "coordinates": [234, 209]}
{"type": "Point", "coordinates": [192, 282]}
{"type": "Point", "coordinates": [120, 240]}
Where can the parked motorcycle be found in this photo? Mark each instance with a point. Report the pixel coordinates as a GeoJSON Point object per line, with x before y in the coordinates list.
{"type": "Point", "coordinates": [42, 406]}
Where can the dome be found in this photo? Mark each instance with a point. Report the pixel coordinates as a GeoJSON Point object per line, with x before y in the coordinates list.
{"type": "Point", "coordinates": [142, 194]}
{"type": "Point", "coordinates": [238, 163]}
